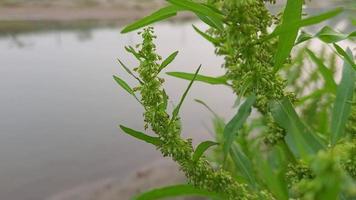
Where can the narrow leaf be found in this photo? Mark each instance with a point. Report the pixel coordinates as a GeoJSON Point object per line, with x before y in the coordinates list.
{"type": "Point", "coordinates": [292, 13]}
{"type": "Point", "coordinates": [300, 139]}
{"type": "Point", "coordinates": [305, 22]}
{"type": "Point", "coordinates": [141, 136]}
{"type": "Point", "coordinates": [243, 163]}
{"type": "Point", "coordinates": [168, 60]}
{"type": "Point", "coordinates": [200, 10]}
{"type": "Point", "coordinates": [232, 128]}
{"type": "Point", "coordinates": [129, 71]}
{"type": "Point", "coordinates": [206, 36]}
{"type": "Point", "coordinates": [220, 80]}
{"type": "Point", "coordinates": [176, 110]}
{"type": "Point", "coordinates": [174, 191]}
{"type": "Point", "coordinates": [124, 85]}
{"type": "Point", "coordinates": [131, 50]}
{"type": "Point", "coordinates": [325, 72]}
{"type": "Point", "coordinates": [345, 56]}
{"type": "Point", "coordinates": [202, 147]}
{"type": "Point", "coordinates": [272, 178]}
{"type": "Point", "coordinates": [327, 35]}
{"type": "Point", "coordinates": [159, 15]}
{"type": "Point", "coordinates": [320, 18]}
{"type": "Point", "coordinates": [342, 106]}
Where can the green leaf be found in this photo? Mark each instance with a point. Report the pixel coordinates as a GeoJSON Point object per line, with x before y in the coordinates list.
{"type": "Point", "coordinates": [202, 147]}
{"type": "Point", "coordinates": [201, 10]}
{"type": "Point", "coordinates": [220, 80]}
{"type": "Point", "coordinates": [212, 23]}
{"type": "Point", "coordinates": [244, 164]}
{"type": "Point", "coordinates": [292, 13]}
{"type": "Point", "coordinates": [327, 74]}
{"type": "Point", "coordinates": [342, 106]}
{"type": "Point", "coordinates": [236, 123]}
{"type": "Point", "coordinates": [300, 139]}
{"type": "Point", "coordinates": [159, 15]}
{"type": "Point", "coordinates": [206, 36]}
{"type": "Point", "coordinates": [320, 18]}
{"type": "Point", "coordinates": [176, 110]}
{"type": "Point", "coordinates": [141, 136]}
{"type": "Point", "coordinates": [345, 56]}
{"type": "Point", "coordinates": [273, 179]}
{"type": "Point", "coordinates": [305, 22]}
{"type": "Point", "coordinates": [129, 71]}
{"type": "Point", "coordinates": [131, 50]}
{"type": "Point", "coordinates": [206, 106]}
{"type": "Point", "coordinates": [168, 60]}
{"type": "Point", "coordinates": [174, 191]}
{"type": "Point", "coordinates": [327, 35]}
{"type": "Point", "coordinates": [124, 85]}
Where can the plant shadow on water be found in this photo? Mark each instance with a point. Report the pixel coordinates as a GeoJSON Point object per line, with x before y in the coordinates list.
{"type": "Point", "coordinates": [59, 107]}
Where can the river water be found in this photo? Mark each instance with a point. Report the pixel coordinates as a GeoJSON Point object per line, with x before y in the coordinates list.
{"type": "Point", "coordinates": [60, 108]}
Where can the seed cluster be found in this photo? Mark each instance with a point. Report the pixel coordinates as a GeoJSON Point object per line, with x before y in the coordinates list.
{"type": "Point", "coordinates": [249, 61]}
{"type": "Point", "coordinates": [154, 100]}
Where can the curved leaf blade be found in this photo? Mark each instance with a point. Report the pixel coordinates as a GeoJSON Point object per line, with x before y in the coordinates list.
{"type": "Point", "coordinates": [327, 35]}
{"type": "Point", "coordinates": [202, 147]}
{"type": "Point", "coordinates": [124, 85]}
{"type": "Point", "coordinates": [342, 106]}
{"type": "Point", "coordinates": [176, 109]}
{"type": "Point", "coordinates": [204, 12]}
{"type": "Point", "coordinates": [325, 72]}
{"type": "Point", "coordinates": [220, 80]}
{"type": "Point", "coordinates": [243, 163]}
{"type": "Point", "coordinates": [159, 15]}
{"type": "Point", "coordinates": [292, 13]}
{"type": "Point", "coordinates": [129, 71]}
{"type": "Point", "coordinates": [206, 36]}
{"type": "Point", "coordinates": [232, 128]}
{"type": "Point", "coordinates": [141, 136]}
{"type": "Point", "coordinates": [300, 139]}
{"type": "Point", "coordinates": [174, 191]}
{"type": "Point", "coordinates": [168, 60]}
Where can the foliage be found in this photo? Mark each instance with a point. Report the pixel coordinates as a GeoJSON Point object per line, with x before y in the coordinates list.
{"type": "Point", "coordinates": [300, 144]}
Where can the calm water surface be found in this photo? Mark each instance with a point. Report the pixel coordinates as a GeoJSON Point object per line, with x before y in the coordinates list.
{"type": "Point", "coordinates": [59, 107]}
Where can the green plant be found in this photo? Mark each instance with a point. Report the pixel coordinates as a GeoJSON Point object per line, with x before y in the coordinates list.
{"type": "Point", "coordinates": [287, 150]}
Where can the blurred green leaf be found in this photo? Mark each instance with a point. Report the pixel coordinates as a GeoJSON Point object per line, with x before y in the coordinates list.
{"type": "Point", "coordinates": [176, 109]}
{"type": "Point", "coordinates": [124, 85]}
{"type": "Point", "coordinates": [342, 106]}
{"type": "Point", "coordinates": [202, 147]}
{"type": "Point", "coordinates": [273, 179]}
{"type": "Point", "coordinates": [131, 50]}
{"type": "Point", "coordinates": [300, 139]}
{"type": "Point", "coordinates": [208, 15]}
{"type": "Point", "coordinates": [220, 80]}
{"type": "Point", "coordinates": [129, 71]}
{"type": "Point", "coordinates": [232, 128]}
{"type": "Point", "coordinates": [290, 27]}
{"type": "Point", "coordinates": [327, 35]}
{"type": "Point", "coordinates": [168, 60]}
{"type": "Point", "coordinates": [206, 36]}
{"type": "Point", "coordinates": [174, 191]}
{"type": "Point", "coordinates": [244, 164]}
{"type": "Point", "coordinates": [345, 56]}
{"type": "Point", "coordinates": [292, 13]}
{"type": "Point", "coordinates": [159, 15]}
{"type": "Point", "coordinates": [141, 136]}
{"type": "Point", "coordinates": [327, 74]}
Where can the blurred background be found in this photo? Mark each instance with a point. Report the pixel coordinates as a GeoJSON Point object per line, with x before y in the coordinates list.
{"type": "Point", "coordinates": [60, 108]}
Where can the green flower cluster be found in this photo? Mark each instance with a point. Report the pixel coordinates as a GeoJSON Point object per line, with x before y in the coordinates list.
{"type": "Point", "coordinates": [154, 100]}
{"type": "Point", "coordinates": [327, 181]}
{"type": "Point", "coordinates": [248, 59]}
{"type": "Point", "coordinates": [297, 172]}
